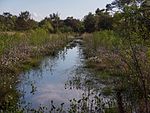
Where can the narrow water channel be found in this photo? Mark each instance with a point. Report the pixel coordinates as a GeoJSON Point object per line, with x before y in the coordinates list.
{"type": "Point", "coordinates": [59, 78]}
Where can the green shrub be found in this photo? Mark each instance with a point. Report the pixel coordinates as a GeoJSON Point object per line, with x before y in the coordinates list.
{"type": "Point", "coordinates": [106, 39]}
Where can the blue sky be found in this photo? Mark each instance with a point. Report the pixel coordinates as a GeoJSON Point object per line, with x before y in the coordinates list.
{"type": "Point", "coordinates": [42, 8]}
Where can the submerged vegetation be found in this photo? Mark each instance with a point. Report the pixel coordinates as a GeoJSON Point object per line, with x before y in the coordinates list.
{"type": "Point", "coordinates": [117, 49]}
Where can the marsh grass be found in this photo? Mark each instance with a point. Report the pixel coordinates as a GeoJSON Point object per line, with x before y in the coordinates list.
{"type": "Point", "coordinates": [7, 41]}
{"type": "Point", "coordinates": [22, 47]}
{"type": "Point", "coordinates": [106, 39]}
{"type": "Point", "coordinates": [108, 52]}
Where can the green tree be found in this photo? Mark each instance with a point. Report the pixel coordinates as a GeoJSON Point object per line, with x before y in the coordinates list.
{"type": "Point", "coordinates": [133, 25]}
{"type": "Point", "coordinates": [105, 21]}
{"type": "Point", "coordinates": [46, 24]}
{"type": "Point", "coordinates": [55, 21]}
{"type": "Point", "coordinates": [90, 23]}
{"type": "Point", "coordinates": [2, 23]}
{"type": "Point", "coordinates": [75, 24]}
{"type": "Point", "coordinates": [7, 21]}
{"type": "Point", "coordinates": [24, 22]}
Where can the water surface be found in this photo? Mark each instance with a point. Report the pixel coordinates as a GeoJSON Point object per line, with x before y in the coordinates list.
{"type": "Point", "coordinates": [59, 78]}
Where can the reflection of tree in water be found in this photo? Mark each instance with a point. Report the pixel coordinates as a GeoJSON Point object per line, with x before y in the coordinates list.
{"type": "Point", "coordinates": [80, 79]}
{"type": "Point", "coordinates": [92, 100]}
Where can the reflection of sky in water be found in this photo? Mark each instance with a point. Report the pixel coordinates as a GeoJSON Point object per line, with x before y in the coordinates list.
{"type": "Point", "coordinates": [56, 93]}
{"type": "Point", "coordinates": [50, 78]}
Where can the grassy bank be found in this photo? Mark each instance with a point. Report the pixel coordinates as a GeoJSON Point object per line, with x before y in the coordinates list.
{"type": "Point", "coordinates": [124, 64]}
{"type": "Point", "coordinates": [106, 50]}
{"type": "Point", "coordinates": [20, 52]}
{"type": "Point", "coordinates": [20, 49]}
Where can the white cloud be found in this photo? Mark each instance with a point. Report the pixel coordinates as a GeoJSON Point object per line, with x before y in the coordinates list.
{"type": "Point", "coordinates": [36, 16]}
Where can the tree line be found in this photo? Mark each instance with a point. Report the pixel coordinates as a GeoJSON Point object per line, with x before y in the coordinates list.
{"type": "Point", "coordinates": [100, 20]}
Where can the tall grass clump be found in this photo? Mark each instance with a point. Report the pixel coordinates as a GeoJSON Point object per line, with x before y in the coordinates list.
{"type": "Point", "coordinates": [8, 41]}
{"type": "Point", "coordinates": [106, 39]}
{"type": "Point", "coordinates": [102, 40]}
{"type": "Point", "coordinates": [38, 37]}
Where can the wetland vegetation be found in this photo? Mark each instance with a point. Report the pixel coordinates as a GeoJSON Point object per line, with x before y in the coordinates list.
{"type": "Point", "coordinates": [99, 64]}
